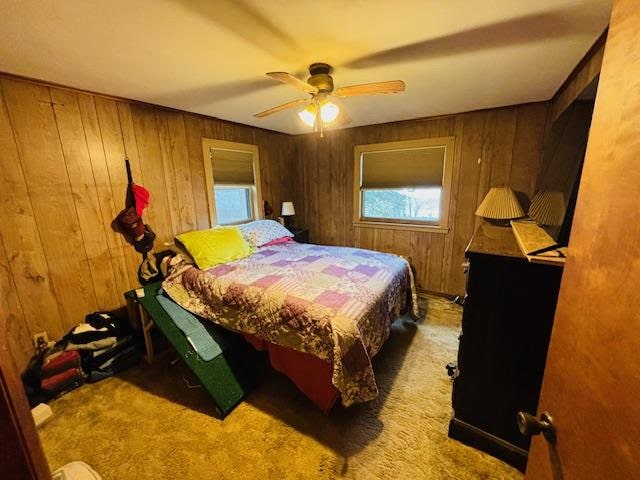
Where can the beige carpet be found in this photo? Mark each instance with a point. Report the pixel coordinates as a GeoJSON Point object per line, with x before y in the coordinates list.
{"type": "Point", "coordinates": [148, 425]}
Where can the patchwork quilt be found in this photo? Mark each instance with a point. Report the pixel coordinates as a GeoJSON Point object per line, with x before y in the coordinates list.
{"type": "Point", "coordinates": [336, 303]}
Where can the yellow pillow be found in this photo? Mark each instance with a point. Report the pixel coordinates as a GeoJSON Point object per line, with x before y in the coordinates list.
{"type": "Point", "coordinates": [215, 246]}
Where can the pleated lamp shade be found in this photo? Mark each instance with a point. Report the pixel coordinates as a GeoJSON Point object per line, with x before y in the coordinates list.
{"type": "Point", "coordinates": [547, 208]}
{"type": "Point", "coordinates": [500, 203]}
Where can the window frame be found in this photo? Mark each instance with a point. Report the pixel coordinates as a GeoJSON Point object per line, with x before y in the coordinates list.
{"type": "Point", "coordinates": [209, 144]}
{"type": "Point", "coordinates": [440, 226]}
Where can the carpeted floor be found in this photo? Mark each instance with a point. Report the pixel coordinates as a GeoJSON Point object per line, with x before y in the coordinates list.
{"type": "Point", "coordinates": [147, 424]}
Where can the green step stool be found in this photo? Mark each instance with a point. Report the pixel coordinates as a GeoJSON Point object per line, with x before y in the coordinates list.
{"type": "Point", "coordinates": [228, 377]}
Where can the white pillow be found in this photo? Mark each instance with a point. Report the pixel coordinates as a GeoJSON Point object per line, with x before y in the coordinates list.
{"type": "Point", "coordinates": [259, 232]}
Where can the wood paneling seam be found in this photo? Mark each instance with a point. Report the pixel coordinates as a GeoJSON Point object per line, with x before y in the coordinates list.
{"type": "Point", "coordinates": [95, 183]}
{"type": "Point", "coordinates": [46, 260]}
{"type": "Point", "coordinates": [75, 206]}
{"type": "Point", "coordinates": [24, 315]}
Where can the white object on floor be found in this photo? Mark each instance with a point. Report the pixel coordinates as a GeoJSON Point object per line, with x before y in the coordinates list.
{"type": "Point", "coordinates": [41, 413]}
{"type": "Point", "coordinates": [76, 471]}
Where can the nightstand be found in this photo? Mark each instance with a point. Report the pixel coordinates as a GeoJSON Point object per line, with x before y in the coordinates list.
{"type": "Point", "coordinates": [300, 235]}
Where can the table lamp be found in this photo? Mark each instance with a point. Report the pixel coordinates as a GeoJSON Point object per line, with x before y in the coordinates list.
{"type": "Point", "coordinates": [547, 208]}
{"type": "Point", "coordinates": [287, 212]}
{"type": "Point", "coordinates": [499, 206]}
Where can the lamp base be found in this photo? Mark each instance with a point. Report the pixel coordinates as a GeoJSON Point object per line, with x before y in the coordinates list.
{"type": "Point", "coordinates": [498, 222]}
{"type": "Point", "coordinates": [288, 222]}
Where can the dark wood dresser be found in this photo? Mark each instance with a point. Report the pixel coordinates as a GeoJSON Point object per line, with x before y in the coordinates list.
{"type": "Point", "coordinates": [506, 325]}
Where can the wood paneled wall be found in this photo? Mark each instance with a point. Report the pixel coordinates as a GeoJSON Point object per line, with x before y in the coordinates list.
{"type": "Point", "coordinates": [587, 69]}
{"type": "Point", "coordinates": [63, 180]}
{"type": "Point", "coordinates": [492, 148]}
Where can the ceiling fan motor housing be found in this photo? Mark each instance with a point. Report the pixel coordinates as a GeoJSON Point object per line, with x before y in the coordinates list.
{"type": "Point", "coordinates": [320, 77]}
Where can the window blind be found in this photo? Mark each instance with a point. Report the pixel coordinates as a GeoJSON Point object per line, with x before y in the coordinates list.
{"type": "Point", "coordinates": [406, 168]}
{"type": "Point", "coordinates": [231, 167]}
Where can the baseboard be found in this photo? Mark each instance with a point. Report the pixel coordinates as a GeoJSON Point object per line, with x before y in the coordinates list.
{"type": "Point", "coordinates": [495, 446]}
{"type": "Point", "coordinates": [426, 293]}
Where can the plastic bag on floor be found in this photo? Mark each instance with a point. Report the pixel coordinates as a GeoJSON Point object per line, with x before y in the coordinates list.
{"type": "Point", "coordinates": [76, 471]}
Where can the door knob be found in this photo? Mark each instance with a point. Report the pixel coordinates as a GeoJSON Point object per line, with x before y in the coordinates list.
{"type": "Point", "coordinates": [530, 425]}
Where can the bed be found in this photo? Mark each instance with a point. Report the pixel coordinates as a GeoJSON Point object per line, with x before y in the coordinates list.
{"type": "Point", "coordinates": [332, 306]}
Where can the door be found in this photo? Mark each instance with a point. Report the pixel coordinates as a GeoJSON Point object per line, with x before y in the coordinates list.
{"type": "Point", "coordinates": [21, 456]}
{"type": "Point", "coordinates": [591, 384]}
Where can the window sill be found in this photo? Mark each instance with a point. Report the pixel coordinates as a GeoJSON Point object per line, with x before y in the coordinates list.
{"type": "Point", "coordinates": [403, 226]}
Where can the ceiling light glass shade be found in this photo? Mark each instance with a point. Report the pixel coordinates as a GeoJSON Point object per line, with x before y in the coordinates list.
{"type": "Point", "coordinates": [328, 113]}
{"type": "Point", "coordinates": [547, 208]}
{"type": "Point", "coordinates": [308, 115]}
{"type": "Point", "coordinates": [500, 203]}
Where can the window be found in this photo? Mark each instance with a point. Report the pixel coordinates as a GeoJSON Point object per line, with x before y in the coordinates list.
{"type": "Point", "coordinates": [403, 184]}
{"type": "Point", "coordinates": [420, 204]}
{"type": "Point", "coordinates": [233, 204]}
{"type": "Point", "coordinates": [233, 181]}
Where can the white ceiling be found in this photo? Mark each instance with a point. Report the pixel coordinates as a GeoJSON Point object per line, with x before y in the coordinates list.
{"type": "Point", "coordinates": [210, 56]}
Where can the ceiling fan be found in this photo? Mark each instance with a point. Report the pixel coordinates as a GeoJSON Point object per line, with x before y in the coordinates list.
{"type": "Point", "coordinates": [320, 111]}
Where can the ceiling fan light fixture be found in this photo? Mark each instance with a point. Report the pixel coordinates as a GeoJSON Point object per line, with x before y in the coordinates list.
{"type": "Point", "coordinates": [308, 115]}
{"type": "Point", "coordinates": [329, 112]}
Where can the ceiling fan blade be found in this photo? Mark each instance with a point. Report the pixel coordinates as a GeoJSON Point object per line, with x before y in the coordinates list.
{"type": "Point", "coordinates": [284, 106]}
{"type": "Point", "coordinates": [295, 82]}
{"type": "Point", "coordinates": [393, 86]}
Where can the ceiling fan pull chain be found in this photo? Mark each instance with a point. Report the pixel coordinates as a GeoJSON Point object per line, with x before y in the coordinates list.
{"type": "Point", "coordinates": [318, 123]}
{"type": "Point", "coordinates": [319, 117]}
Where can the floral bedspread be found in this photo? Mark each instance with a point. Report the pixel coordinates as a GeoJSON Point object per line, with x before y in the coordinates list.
{"type": "Point", "coordinates": [336, 303]}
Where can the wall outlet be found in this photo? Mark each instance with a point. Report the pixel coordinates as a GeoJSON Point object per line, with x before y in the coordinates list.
{"type": "Point", "coordinates": [40, 338]}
